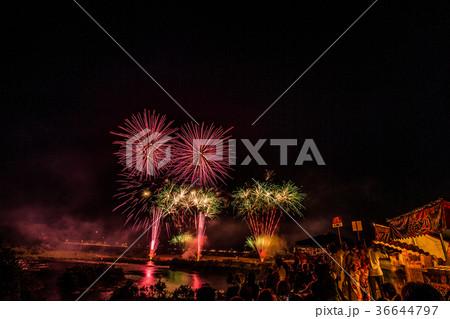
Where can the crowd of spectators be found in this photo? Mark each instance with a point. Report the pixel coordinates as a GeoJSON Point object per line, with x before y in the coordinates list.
{"type": "Point", "coordinates": [350, 272]}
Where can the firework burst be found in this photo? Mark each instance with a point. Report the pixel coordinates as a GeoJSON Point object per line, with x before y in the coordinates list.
{"type": "Point", "coordinates": [261, 244]}
{"type": "Point", "coordinates": [182, 240]}
{"type": "Point", "coordinates": [138, 202]}
{"type": "Point", "coordinates": [190, 208]}
{"type": "Point", "coordinates": [265, 246]}
{"type": "Point", "coordinates": [201, 153]}
{"type": "Point", "coordinates": [257, 205]}
{"type": "Point", "coordinates": [145, 144]}
{"type": "Point", "coordinates": [136, 197]}
{"type": "Point", "coordinates": [172, 198]}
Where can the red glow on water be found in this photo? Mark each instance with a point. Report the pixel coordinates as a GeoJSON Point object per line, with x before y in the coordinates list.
{"type": "Point", "coordinates": [196, 282]}
{"type": "Point", "coordinates": [148, 279]}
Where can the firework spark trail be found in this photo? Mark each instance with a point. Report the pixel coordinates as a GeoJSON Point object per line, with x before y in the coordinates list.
{"type": "Point", "coordinates": [135, 196]}
{"type": "Point", "coordinates": [202, 203]}
{"type": "Point", "coordinates": [264, 245]}
{"type": "Point", "coordinates": [168, 229]}
{"type": "Point", "coordinates": [262, 229]}
{"type": "Point", "coordinates": [174, 196]}
{"type": "Point", "coordinates": [201, 228]}
{"type": "Point", "coordinates": [145, 144]}
{"type": "Point", "coordinates": [201, 152]}
{"type": "Point", "coordinates": [157, 213]}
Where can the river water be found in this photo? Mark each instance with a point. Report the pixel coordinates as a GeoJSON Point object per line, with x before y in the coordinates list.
{"type": "Point", "coordinates": [142, 274]}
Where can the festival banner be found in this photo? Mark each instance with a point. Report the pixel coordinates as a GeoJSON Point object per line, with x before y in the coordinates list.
{"type": "Point", "coordinates": [429, 219]}
{"type": "Point", "coordinates": [382, 233]}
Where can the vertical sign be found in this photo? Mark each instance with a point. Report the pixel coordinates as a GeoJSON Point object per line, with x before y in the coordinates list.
{"type": "Point", "coordinates": [357, 227]}
{"type": "Point", "coordinates": [336, 222]}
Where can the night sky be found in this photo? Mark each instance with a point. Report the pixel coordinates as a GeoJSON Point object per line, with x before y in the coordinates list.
{"type": "Point", "coordinates": [377, 104]}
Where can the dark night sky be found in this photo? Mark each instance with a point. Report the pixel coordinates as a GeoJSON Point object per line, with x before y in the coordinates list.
{"type": "Point", "coordinates": [376, 104]}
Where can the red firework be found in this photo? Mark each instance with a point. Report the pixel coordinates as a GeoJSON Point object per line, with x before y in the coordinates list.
{"type": "Point", "coordinates": [201, 152]}
{"type": "Point", "coordinates": [146, 143]}
{"type": "Point", "coordinates": [157, 216]}
{"type": "Point", "coordinates": [201, 228]}
{"type": "Point", "coordinates": [136, 197]}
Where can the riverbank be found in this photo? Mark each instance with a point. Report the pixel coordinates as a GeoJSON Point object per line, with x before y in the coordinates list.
{"type": "Point", "coordinates": [172, 260]}
{"type": "Point", "coordinates": [75, 255]}
{"type": "Point", "coordinates": [66, 279]}
{"type": "Point", "coordinates": [222, 265]}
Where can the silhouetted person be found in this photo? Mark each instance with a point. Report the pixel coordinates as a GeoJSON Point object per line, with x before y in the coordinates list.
{"type": "Point", "coordinates": [311, 297]}
{"type": "Point", "coordinates": [337, 264]}
{"type": "Point", "coordinates": [302, 278]}
{"type": "Point", "coordinates": [447, 296]}
{"type": "Point", "coordinates": [272, 280]}
{"type": "Point", "coordinates": [325, 288]}
{"type": "Point", "coordinates": [230, 278]}
{"type": "Point", "coordinates": [295, 297]}
{"type": "Point", "coordinates": [250, 290]}
{"type": "Point", "coordinates": [389, 291]}
{"type": "Point", "coordinates": [235, 288]}
{"type": "Point", "coordinates": [281, 269]}
{"type": "Point", "coordinates": [205, 293]}
{"type": "Point", "coordinates": [283, 290]}
{"type": "Point", "coordinates": [237, 298]}
{"type": "Point", "coordinates": [375, 271]}
{"type": "Point", "coordinates": [266, 295]}
{"type": "Point", "coordinates": [418, 291]}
